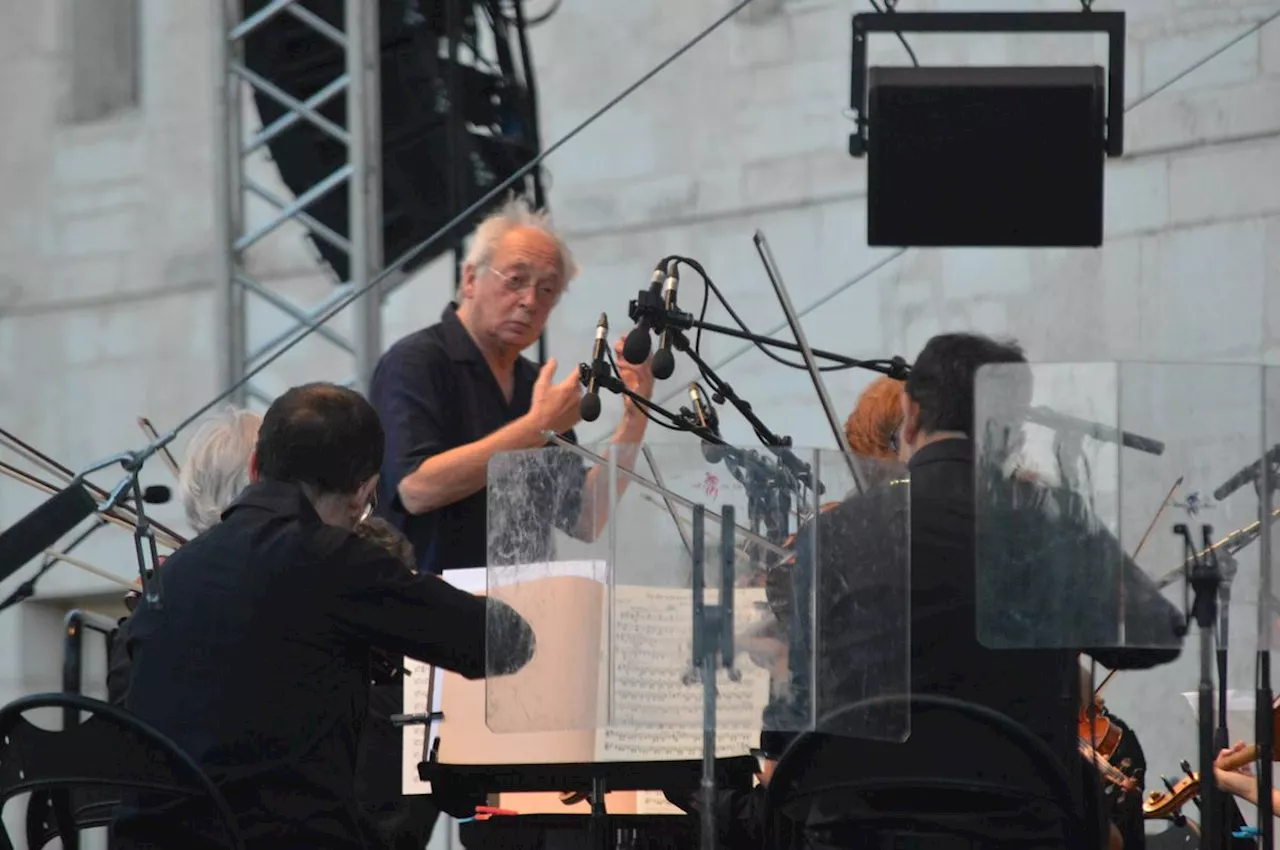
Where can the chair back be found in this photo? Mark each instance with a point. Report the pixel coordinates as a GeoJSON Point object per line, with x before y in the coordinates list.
{"type": "Point", "coordinates": [73, 771]}
{"type": "Point", "coordinates": [960, 758]}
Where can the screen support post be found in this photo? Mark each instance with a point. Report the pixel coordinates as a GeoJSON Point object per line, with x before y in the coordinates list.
{"type": "Point", "coordinates": [712, 646]}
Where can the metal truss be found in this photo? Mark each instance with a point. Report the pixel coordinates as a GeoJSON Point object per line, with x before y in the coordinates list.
{"type": "Point", "coordinates": [360, 176]}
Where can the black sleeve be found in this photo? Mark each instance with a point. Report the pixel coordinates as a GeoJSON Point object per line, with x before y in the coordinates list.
{"type": "Point", "coordinates": [411, 393]}
{"type": "Point", "coordinates": [119, 665]}
{"type": "Point", "coordinates": [379, 600]}
{"type": "Point", "coordinates": [1150, 620]}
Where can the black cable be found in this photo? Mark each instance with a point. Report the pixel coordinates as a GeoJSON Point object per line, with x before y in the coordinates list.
{"type": "Point", "coordinates": [891, 4]}
{"type": "Point", "coordinates": [710, 286]}
{"type": "Point", "coordinates": [545, 16]}
{"type": "Point", "coordinates": [647, 405]}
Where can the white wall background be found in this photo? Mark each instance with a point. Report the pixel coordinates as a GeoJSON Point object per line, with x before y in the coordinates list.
{"type": "Point", "coordinates": [106, 252]}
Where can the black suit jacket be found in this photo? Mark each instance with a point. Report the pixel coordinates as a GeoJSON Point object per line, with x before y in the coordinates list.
{"type": "Point", "coordinates": [880, 631]}
{"type": "Point", "coordinates": [257, 665]}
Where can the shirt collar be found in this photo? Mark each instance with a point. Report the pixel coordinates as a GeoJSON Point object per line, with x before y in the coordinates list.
{"type": "Point", "coordinates": [951, 449]}
{"type": "Point", "coordinates": [277, 497]}
{"type": "Point", "coordinates": [458, 343]}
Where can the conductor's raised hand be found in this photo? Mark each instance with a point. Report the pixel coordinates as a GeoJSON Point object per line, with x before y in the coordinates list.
{"type": "Point", "coordinates": [555, 405]}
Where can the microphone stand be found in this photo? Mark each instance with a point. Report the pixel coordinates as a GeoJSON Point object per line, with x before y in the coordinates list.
{"type": "Point", "coordinates": [752, 463]}
{"type": "Point", "coordinates": [127, 489]}
{"type": "Point", "coordinates": [780, 446]}
{"type": "Point", "coordinates": [1221, 737]}
{"type": "Point", "coordinates": [1204, 580]}
{"type": "Point", "coordinates": [1264, 708]}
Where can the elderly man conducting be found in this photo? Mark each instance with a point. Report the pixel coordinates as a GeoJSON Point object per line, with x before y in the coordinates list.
{"type": "Point", "coordinates": [454, 395]}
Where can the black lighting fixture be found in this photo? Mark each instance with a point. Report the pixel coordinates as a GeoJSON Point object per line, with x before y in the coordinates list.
{"type": "Point", "coordinates": [458, 113]}
{"type": "Point", "coordinates": [987, 156]}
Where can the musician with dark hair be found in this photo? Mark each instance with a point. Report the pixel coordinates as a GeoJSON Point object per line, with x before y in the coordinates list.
{"type": "Point", "coordinates": [862, 655]}
{"type": "Point", "coordinates": [256, 662]}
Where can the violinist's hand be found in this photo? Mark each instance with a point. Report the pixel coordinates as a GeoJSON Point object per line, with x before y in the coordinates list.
{"type": "Point", "coordinates": [1238, 781]}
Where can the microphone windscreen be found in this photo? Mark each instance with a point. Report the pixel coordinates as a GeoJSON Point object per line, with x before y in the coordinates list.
{"type": "Point", "coordinates": [43, 527]}
{"type": "Point", "coordinates": [664, 364]}
{"type": "Point", "coordinates": [589, 407]}
{"type": "Point", "coordinates": [157, 494]}
{"type": "Point", "coordinates": [635, 350]}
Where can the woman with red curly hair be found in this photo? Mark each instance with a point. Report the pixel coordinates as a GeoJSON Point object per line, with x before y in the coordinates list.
{"type": "Point", "coordinates": [872, 428]}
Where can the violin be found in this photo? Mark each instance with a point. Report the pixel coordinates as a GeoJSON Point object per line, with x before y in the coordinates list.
{"type": "Point", "coordinates": [1164, 804]}
{"type": "Point", "coordinates": [1118, 778]}
{"type": "Point", "coordinates": [1096, 729]}
{"type": "Point", "coordinates": [777, 576]}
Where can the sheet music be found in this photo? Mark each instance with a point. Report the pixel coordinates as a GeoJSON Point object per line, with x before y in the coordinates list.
{"type": "Point", "coordinates": [651, 652]}
{"type": "Point", "coordinates": [473, 580]}
{"type": "Point", "coordinates": [416, 688]}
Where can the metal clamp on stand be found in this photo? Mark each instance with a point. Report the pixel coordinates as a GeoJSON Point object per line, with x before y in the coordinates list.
{"type": "Point", "coordinates": [712, 646]}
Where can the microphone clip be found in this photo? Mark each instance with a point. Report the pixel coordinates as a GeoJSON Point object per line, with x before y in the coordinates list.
{"type": "Point", "coordinates": [649, 306]}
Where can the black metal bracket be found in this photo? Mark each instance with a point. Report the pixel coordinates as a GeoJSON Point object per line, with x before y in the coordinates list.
{"type": "Point", "coordinates": [1110, 23]}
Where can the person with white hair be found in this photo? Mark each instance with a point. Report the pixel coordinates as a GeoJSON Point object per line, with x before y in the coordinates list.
{"type": "Point", "coordinates": [216, 467]}
{"type": "Point", "coordinates": [454, 395]}
{"type": "Point", "coordinates": [214, 471]}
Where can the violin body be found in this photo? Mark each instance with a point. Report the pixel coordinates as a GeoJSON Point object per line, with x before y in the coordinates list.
{"type": "Point", "coordinates": [777, 577]}
{"type": "Point", "coordinates": [1097, 730]}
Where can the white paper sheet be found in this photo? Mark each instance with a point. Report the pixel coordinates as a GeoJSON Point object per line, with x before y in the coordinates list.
{"type": "Point", "coordinates": [474, 580]}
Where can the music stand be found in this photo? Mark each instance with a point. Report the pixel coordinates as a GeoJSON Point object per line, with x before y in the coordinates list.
{"type": "Point", "coordinates": [664, 681]}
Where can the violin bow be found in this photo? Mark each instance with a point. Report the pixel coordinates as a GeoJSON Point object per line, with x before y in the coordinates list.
{"type": "Point", "coordinates": [1137, 550]}
{"type": "Point", "coordinates": [165, 455]}
{"type": "Point", "coordinates": [122, 515]}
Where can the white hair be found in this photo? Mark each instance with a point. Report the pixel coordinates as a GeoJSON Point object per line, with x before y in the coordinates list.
{"type": "Point", "coordinates": [216, 467]}
{"type": "Point", "coordinates": [516, 213]}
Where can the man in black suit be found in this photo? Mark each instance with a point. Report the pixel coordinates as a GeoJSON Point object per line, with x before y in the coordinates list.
{"type": "Point", "coordinates": [876, 623]}
{"type": "Point", "coordinates": [257, 661]}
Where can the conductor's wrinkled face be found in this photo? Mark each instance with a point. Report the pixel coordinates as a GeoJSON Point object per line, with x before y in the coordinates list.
{"type": "Point", "coordinates": [513, 294]}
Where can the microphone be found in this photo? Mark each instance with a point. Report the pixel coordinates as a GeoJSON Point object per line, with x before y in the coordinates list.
{"type": "Point", "coordinates": [1250, 473]}
{"type": "Point", "coordinates": [157, 494]}
{"type": "Point", "coordinates": [1051, 418]}
{"type": "Point", "coordinates": [635, 350]}
{"type": "Point", "coordinates": [589, 405]}
{"type": "Point", "coordinates": [709, 421]}
{"type": "Point", "coordinates": [664, 362]}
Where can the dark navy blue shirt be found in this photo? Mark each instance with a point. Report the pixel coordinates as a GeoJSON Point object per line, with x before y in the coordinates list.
{"type": "Point", "coordinates": [435, 392]}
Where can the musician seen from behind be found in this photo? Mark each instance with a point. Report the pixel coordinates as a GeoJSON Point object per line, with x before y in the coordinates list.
{"type": "Point", "coordinates": [455, 394]}
{"type": "Point", "coordinates": [873, 432]}
{"type": "Point", "coordinates": [868, 605]}
{"type": "Point", "coordinates": [256, 661]}
{"type": "Point", "coordinates": [213, 472]}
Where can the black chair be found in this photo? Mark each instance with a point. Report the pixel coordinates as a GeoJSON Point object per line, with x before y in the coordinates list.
{"type": "Point", "coordinates": [960, 757]}
{"type": "Point", "coordinates": [75, 772]}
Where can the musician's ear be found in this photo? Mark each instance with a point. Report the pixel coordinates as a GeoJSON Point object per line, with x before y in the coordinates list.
{"type": "Point", "coordinates": [910, 426]}
{"type": "Point", "coordinates": [254, 475]}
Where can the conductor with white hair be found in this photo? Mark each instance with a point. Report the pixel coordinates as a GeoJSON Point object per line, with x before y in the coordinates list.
{"type": "Point", "coordinates": [453, 395]}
